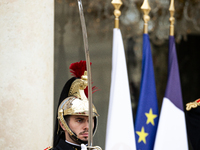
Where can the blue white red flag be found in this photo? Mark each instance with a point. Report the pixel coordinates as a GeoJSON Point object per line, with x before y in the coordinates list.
{"type": "Point", "coordinates": [147, 112]}
{"type": "Point", "coordinates": [171, 133]}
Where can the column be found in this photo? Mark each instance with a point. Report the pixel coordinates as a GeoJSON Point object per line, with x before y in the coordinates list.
{"type": "Point", "coordinates": [26, 74]}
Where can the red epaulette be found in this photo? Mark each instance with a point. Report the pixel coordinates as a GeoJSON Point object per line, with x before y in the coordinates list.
{"type": "Point", "coordinates": [48, 148]}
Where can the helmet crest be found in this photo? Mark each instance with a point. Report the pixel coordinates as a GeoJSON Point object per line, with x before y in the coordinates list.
{"type": "Point", "coordinates": [78, 69]}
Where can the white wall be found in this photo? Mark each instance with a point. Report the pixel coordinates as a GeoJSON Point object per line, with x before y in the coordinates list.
{"type": "Point", "coordinates": [26, 74]}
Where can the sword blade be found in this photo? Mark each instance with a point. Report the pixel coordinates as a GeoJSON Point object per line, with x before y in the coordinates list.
{"type": "Point", "coordinates": [87, 56]}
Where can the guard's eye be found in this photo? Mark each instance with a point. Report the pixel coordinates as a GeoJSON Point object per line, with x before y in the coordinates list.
{"type": "Point", "coordinates": [79, 120]}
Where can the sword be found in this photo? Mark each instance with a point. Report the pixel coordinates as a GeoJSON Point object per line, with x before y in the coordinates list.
{"type": "Point", "coordinates": [87, 56]}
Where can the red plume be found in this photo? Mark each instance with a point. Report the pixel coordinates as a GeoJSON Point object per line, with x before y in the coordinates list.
{"type": "Point", "coordinates": [77, 69]}
{"type": "Point", "coordinates": [94, 89]}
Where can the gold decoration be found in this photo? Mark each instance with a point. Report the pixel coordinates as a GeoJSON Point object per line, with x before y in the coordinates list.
{"type": "Point", "coordinates": [78, 86]}
{"type": "Point", "coordinates": [117, 4]}
{"type": "Point", "coordinates": [146, 9]}
{"type": "Point", "coordinates": [76, 106]}
{"type": "Point", "coordinates": [171, 19]}
{"type": "Point", "coordinates": [62, 120]}
{"type": "Point", "coordinates": [194, 104]}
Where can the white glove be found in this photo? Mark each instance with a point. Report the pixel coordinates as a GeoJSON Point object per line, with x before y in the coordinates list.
{"type": "Point", "coordinates": [83, 147]}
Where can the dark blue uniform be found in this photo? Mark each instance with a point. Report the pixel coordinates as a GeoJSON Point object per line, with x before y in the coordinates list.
{"type": "Point", "coordinates": [193, 127]}
{"type": "Point", "coordinates": [62, 145]}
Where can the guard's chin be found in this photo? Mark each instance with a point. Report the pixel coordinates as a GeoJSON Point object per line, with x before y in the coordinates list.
{"type": "Point", "coordinates": [85, 139]}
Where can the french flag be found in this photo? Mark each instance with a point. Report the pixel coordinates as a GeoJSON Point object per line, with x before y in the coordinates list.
{"type": "Point", "coordinates": [171, 132]}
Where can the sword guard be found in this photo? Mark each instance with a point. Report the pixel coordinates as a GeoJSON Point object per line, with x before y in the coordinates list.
{"type": "Point", "coordinates": [94, 147]}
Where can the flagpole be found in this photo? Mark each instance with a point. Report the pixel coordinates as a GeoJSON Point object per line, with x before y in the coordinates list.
{"type": "Point", "coordinates": [117, 4]}
{"type": "Point", "coordinates": [146, 9]}
{"type": "Point", "coordinates": [171, 19]}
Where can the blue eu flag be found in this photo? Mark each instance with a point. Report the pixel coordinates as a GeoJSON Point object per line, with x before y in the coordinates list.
{"type": "Point", "coordinates": [147, 112]}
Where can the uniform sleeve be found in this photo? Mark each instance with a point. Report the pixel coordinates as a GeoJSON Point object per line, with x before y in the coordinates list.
{"type": "Point", "coordinates": [193, 125]}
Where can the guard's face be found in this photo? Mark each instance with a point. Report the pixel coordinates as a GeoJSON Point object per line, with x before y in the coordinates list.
{"type": "Point", "coordinates": [80, 126]}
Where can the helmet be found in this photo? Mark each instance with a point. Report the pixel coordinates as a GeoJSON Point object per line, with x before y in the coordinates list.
{"type": "Point", "coordinates": [76, 102]}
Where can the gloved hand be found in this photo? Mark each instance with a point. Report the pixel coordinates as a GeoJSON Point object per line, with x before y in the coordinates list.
{"type": "Point", "coordinates": [83, 147]}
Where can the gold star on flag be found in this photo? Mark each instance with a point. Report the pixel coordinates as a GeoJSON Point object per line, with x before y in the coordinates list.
{"type": "Point", "coordinates": [150, 117]}
{"type": "Point", "coordinates": [142, 135]}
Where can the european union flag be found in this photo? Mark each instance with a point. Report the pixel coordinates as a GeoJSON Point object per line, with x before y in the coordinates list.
{"type": "Point", "coordinates": [147, 112]}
